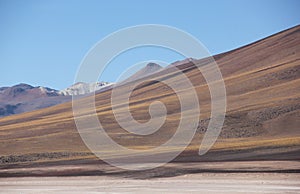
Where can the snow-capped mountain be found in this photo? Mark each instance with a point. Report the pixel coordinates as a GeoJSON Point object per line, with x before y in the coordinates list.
{"type": "Point", "coordinates": [81, 88]}
{"type": "Point", "coordinates": [24, 98]}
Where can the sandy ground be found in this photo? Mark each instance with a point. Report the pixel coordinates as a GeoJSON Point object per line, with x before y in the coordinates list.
{"type": "Point", "coordinates": [190, 183]}
{"type": "Point", "coordinates": [167, 170]}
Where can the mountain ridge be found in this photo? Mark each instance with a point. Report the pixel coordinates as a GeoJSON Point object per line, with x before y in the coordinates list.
{"type": "Point", "coordinates": [23, 97]}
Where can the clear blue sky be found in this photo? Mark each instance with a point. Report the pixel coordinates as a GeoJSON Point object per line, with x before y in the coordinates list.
{"type": "Point", "coordinates": [42, 42]}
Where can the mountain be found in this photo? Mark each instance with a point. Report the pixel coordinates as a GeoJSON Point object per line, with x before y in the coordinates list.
{"type": "Point", "coordinates": [262, 119]}
{"type": "Point", "coordinates": [25, 91]}
{"type": "Point", "coordinates": [24, 98]}
{"type": "Point", "coordinates": [149, 69]}
{"type": "Point", "coordinates": [81, 88]}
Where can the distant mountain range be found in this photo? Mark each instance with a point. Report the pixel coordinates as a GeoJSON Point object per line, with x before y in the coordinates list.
{"type": "Point", "coordinates": [82, 88]}
{"type": "Point", "coordinates": [24, 98]}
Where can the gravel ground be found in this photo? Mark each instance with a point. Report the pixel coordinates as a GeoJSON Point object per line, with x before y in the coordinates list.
{"type": "Point", "coordinates": [190, 183]}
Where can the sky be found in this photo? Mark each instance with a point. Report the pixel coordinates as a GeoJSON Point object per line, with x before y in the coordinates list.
{"type": "Point", "coordinates": [42, 42]}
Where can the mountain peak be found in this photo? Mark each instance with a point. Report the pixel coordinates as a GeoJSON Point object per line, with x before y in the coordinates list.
{"type": "Point", "coordinates": [151, 64]}
{"type": "Point", "coordinates": [23, 86]}
{"type": "Point", "coordinates": [150, 68]}
{"type": "Point", "coordinates": [81, 88]}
